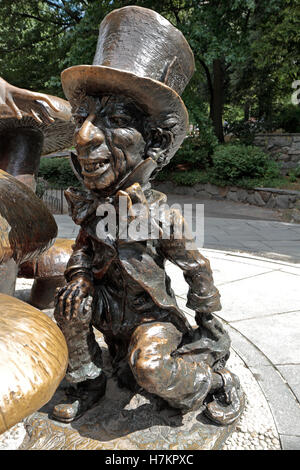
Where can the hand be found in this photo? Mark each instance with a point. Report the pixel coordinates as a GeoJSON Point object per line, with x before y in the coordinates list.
{"type": "Point", "coordinates": [209, 321]}
{"type": "Point", "coordinates": [27, 103]}
{"type": "Point", "coordinates": [74, 300]}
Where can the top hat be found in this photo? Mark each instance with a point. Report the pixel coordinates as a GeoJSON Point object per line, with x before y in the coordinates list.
{"type": "Point", "coordinates": [140, 55]}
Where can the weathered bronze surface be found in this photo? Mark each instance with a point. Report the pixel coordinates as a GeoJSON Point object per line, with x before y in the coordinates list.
{"type": "Point", "coordinates": [33, 360]}
{"type": "Point", "coordinates": [130, 122]}
{"type": "Point", "coordinates": [57, 132]}
{"type": "Point", "coordinates": [123, 420]}
{"type": "Point", "coordinates": [48, 273]}
{"type": "Point", "coordinates": [31, 124]}
{"type": "Point", "coordinates": [26, 228]}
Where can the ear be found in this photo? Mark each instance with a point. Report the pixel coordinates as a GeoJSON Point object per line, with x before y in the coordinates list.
{"type": "Point", "coordinates": [159, 142]}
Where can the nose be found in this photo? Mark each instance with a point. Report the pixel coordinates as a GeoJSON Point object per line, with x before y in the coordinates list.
{"type": "Point", "coordinates": [89, 134]}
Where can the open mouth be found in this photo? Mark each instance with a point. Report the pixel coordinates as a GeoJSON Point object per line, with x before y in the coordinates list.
{"type": "Point", "coordinates": [95, 167]}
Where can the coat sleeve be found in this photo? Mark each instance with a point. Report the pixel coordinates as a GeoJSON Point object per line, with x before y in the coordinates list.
{"type": "Point", "coordinates": [180, 249]}
{"type": "Point", "coordinates": [81, 259]}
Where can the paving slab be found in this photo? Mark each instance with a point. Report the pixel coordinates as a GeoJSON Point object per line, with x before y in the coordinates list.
{"type": "Point", "coordinates": [226, 209]}
{"type": "Point", "coordinates": [290, 442]}
{"type": "Point", "coordinates": [270, 293]}
{"type": "Point", "coordinates": [277, 336]}
{"type": "Point", "coordinates": [231, 227]}
{"type": "Point", "coordinates": [285, 408]}
{"type": "Point", "coordinates": [249, 352]}
{"type": "Point", "coordinates": [291, 373]}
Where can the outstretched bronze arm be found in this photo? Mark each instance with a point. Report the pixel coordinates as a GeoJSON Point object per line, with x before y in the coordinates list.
{"type": "Point", "coordinates": [20, 101]}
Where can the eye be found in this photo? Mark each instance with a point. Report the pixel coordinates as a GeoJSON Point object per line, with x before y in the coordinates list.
{"type": "Point", "coordinates": [79, 119]}
{"type": "Point", "coordinates": [119, 120]}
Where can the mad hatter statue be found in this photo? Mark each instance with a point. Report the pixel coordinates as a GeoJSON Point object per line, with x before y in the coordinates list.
{"type": "Point", "coordinates": [130, 122]}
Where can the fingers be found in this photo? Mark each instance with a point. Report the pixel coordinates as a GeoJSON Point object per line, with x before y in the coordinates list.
{"type": "Point", "coordinates": [180, 351]}
{"type": "Point", "coordinates": [64, 301]}
{"type": "Point", "coordinates": [12, 105]}
{"type": "Point", "coordinates": [30, 98]}
{"type": "Point", "coordinates": [35, 117]}
{"type": "Point", "coordinates": [43, 116]}
{"type": "Point", "coordinates": [42, 97]}
{"type": "Point", "coordinates": [187, 348]}
{"type": "Point", "coordinates": [69, 300]}
{"type": "Point", "coordinates": [72, 304]}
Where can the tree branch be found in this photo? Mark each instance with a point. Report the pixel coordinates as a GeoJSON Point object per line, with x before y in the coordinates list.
{"type": "Point", "coordinates": [42, 20]}
{"type": "Point", "coordinates": [29, 45]}
{"type": "Point", "coordinates": [70, 12]}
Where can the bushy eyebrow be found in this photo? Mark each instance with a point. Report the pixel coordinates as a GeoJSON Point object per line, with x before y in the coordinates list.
{"type": "Point", "coordinates": [84, 106]}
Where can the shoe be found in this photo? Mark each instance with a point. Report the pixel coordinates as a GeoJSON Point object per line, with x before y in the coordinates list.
{"type": "Point", "coordinates": [81, 398]}
{"type": "Point", "coordinates": [228, 401]}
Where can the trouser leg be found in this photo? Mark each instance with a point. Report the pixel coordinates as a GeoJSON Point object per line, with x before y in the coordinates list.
{"type": "Point", "coordinates": [183, 384]}
{"type": "Point", "coordinates": [84, 369]}
{"type": "Point", "coordinates": [85, 358]}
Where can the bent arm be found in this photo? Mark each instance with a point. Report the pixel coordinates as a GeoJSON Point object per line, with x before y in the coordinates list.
{"type": "Point", "coordinates": [81, 260]}
{"type": "Point", "coordinates": [202, 296]}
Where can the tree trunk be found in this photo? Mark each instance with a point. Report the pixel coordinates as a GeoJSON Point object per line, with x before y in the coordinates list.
{"type": "Point", "coordinates": [246, 111]}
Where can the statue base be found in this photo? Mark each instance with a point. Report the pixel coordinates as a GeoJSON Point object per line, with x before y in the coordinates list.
{"type": "Point", "coordinates": [124, 420]}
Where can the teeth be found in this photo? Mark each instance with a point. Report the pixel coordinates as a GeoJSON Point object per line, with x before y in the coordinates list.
{"type": "Point", "coordinates": [91, 167]}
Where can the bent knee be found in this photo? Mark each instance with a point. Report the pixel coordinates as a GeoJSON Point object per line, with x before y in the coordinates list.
{"type": "Point", "coordinates": [145, 368]}
{"type": "Point", "coordinates": [149, 353]}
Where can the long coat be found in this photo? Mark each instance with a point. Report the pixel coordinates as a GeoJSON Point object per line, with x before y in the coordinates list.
{"type": "Point", "coordinates": [131, 284]}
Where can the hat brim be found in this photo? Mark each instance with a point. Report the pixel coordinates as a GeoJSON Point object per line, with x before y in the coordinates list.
{"type": "Point", "coordinates": [156, 98]}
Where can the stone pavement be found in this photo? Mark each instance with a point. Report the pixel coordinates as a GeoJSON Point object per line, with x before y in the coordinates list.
{"type": "Point", "coordinates": [261, 307]}
{"type": "Point", "coordinates": [242, 227]}
{"type": "Point", "coordinates": [232, 226]}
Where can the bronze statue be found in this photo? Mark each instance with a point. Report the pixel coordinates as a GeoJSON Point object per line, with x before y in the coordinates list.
{"type": "Point", "coordinates": [28, 103]}
{"type": "Point", "coordinates": [33, 360]}
{"type": "Point", "coordinates": [33, 351]}
{"type": "Point", "coordinates": [27, 229]}
{"type": "Point", "coordinates": [48, 273]}
{"type": "Point", "coordinates": [130, 122]}
{"type": "Point", "coordinates": [31, 124]}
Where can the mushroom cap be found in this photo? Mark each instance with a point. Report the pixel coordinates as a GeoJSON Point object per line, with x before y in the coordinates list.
{"type": "Point", "coordinates": [51, 263]}
{"type": "Point", "coordinates": [33, 360]}
{"type": "Point", "coordinates": [27, 228]}
{"type": "Point", "coordinates": [57, 135]}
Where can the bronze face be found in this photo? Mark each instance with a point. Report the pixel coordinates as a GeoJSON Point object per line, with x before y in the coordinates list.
{"type": "Point", "coordinates": [109, 140]}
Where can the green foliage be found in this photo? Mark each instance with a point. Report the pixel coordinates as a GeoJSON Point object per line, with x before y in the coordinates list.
{"type": "Point", "coordinates": [58, 173]}
{"type": "Point", "coordinates": [186, 178]}
{"type": "Point", "coordinates": [245, 131]}
{"type": "Point", "coordinates": [234, 163]}
{"type": "Point", "coordinates": [232, 113]}
{"type": "Point", "coordinates": [257, 43]}
{"type": "Point", "coordinates": [40, 38]}
{"type": "Point", "coordinates": [196, 149]}
{"type": "Point", "coordinates": [41, 187]}
{"type": "Point", "coordinates": [192, 177]}
{"type": "Point", "coordinates": [288, 119]}
{"type": "Point", "coordinates": [294, 174]}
